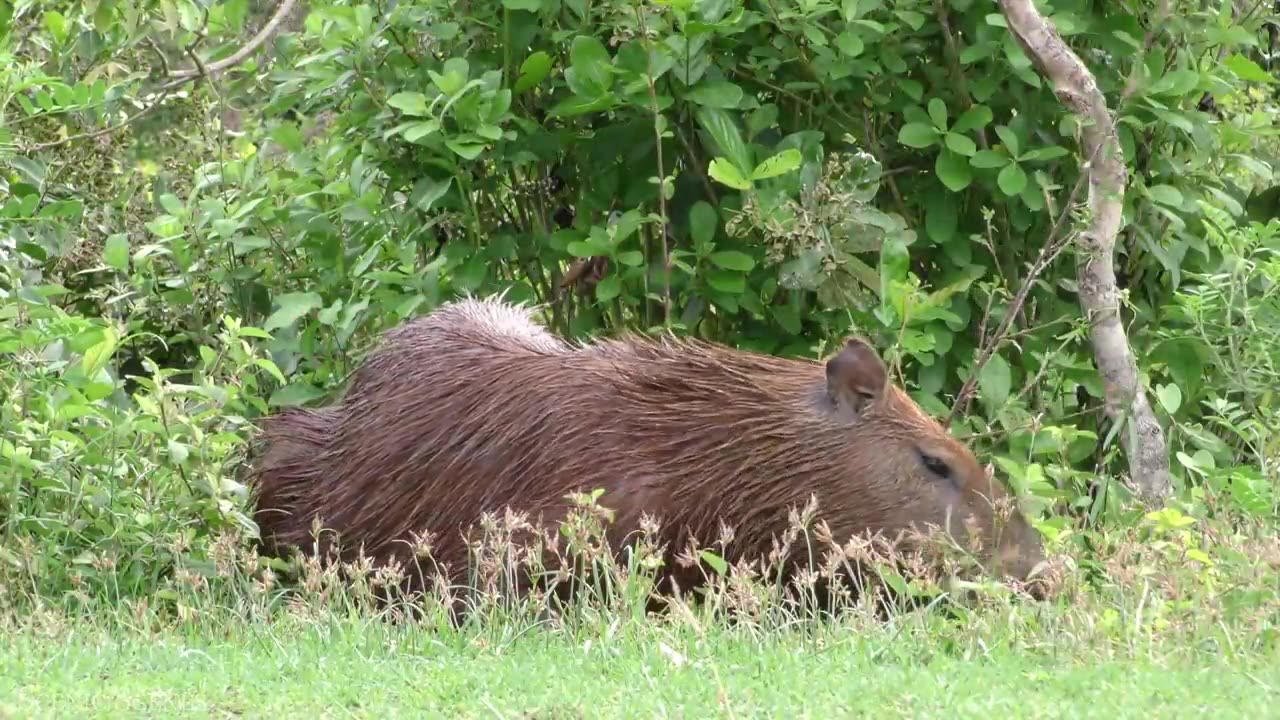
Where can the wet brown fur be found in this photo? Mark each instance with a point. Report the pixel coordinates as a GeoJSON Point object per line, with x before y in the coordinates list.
{"type": "Point", "coordinates": [476, 407]}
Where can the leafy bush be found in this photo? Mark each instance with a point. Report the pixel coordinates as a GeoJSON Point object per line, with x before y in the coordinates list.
{"type": "Point", "coordinates": [104, 491]}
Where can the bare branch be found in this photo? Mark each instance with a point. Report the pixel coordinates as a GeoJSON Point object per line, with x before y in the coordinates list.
{"type": "Point", "coordinates": [1126, 401]}
{"type": "Point", "coordinates": [1058, 241]}
{"type": "Point", "coordinates": [164, 93]}
{"type": "Point", "coordinates": [182, 77]}
{"type": "Point", "coordinates": [210, 69]}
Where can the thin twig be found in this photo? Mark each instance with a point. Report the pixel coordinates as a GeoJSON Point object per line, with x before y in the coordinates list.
{"type": "Point", "coordinates": [662, 174]}
{"type": "Point", "coordinates": [953, 60]}
{"type": "Point", "coordinates": [1048, 254]}
{"type": "Point", "coordinates": [164, 94]}
{"type": "Point", "coordinates": [873, 143]}
{"type": "Point", "coordinates": [697, 166]}
{"type": "Point", "coordinates": [180, 78]}
{"type": "Point", "coordinates": [404, 47]}
{"type": "Point", "coordinates": [282, 11]}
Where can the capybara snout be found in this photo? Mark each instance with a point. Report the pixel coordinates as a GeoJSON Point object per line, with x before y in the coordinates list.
{"type": "Point", "coordinates": [476, 407]}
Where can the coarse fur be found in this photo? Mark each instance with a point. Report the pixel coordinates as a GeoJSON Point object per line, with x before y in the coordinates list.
{"type": "Point", "coordinates": [476, 407]}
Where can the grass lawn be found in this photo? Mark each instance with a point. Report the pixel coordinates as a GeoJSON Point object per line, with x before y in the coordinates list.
{"type": "Point", "coordinates": [364, 669]}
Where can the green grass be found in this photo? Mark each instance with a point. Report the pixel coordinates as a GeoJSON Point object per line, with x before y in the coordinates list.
{"type": "Point", "coordinates": [1154, 622]}
{"type": "Point", "coordinates": [350, 668]}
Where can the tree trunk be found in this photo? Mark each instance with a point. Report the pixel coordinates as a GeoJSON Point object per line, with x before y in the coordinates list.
{"type": "Point", "coordinates": [1126, 400]}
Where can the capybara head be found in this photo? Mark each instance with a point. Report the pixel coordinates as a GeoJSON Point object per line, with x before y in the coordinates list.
{"type": "Point", "coordinates": [475, 408]}
{"type": "Point", "coordinates": [934, 479]}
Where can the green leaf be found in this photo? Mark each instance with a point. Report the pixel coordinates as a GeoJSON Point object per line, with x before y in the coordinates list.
{"type": "Point", "coordinates": [788, 317]}
{"type": "Point", "coordinates": [463, 149]}
{"type": "Point", "coordinates": [726, 281]}
{"type": "Point", "coordinates": [780, 164]}
{"type": "Point", "coordinates": [703, 221]}
{"type": "Point", "coordinates": [975, 118]}
{"type": "Point", "coordinates": [533, 70]}
{"type": "Point", "coordinates": [590, 247]}
{"type": "Point", "coordinates": [443, 31]}
{"type": "Point", "coordinates": [913, 19]}
{"type": "Point", "coordinates": [953, 170]}
{"type": "Point", "coordinates": [1246, 69]}
{"type": "Point", "coordinates": [631, 258]}
{"type": "Point", "coordinates": [895, 262]}
{"type": "Point", "coordinates": [850, 43]}
{"type": "Point", "coordinates": [1012, 179]}
{"type": "Point", "coordinates": [178, 452]}
{"type": "Point", "coordinates": [724, 172]}
{"type": "Point", "coordinates": [1176, 82]}
{"type": "Point", "coordinates": [938, 113]}
{"type": "Point", "coordinates": [409, 103]}
{"type": "Point", "coordinates": [458, 67]}
{"type": "Point", "coordinates": [974, 53]}
{"type": "Point", "coordinates": [1009, 139]}
{"type": "Point", "coordinates": [97, 356]}
{"type": "Point", "coordinates": [995, 381]}
{"type": "Point", "coordinates": [608, 288]}
{"type": "Point", "coordinates": [6, 17]}
{"type": "Point", "coordinates": [717, 94]}
{"type": "Point", "coordinates": [1179, 120]}
{"type": "Point", "coordinates": [56, 23]}
{"type": "Point", "coordinates": [454, 78]}
{"type": "Point", "coordinates": [427, 191]}
{"type": "Point", "coordinates": [270, 367]}
{"type": "Point", "coordinates": [1049, 152]}
{"type": "Point", "coordinates": [115, 252]}
{"type": "Point", "coordinates": [913, 89]}
{"type": "Point", "coordinates": [894, 580]}
{"type": "Point", "coordinates": [499, 104]}
{"type": "Point", "coordinates": [733, 260]}
{"type": "Point", "coordinates": [573, 106]}
{"type": "Point", "coordinates": [720, 125]}
{"type": "Point", "coordinates": [941, 217]}
{"type": "Point", "coordinates": [530, 5]}
{"type": "Point", "coordinates": [715, 561]}
{"type": "Point", "coordinates": [493, 133]}
{"type": "Point", "coordinates": [938, 298]}
{"type": "Point", "coordinates": [290, 307]}
{"type": "Point", "coordinates": [171, 204]}
{"type": "Point", "coordinates": [989, 159]}
{"type": "Point", "coordinates": [960, 144]}
{"type": "Point", "coordinates": [298, 393]}
{"type": "Point", "coordinates": [1170, 397]}
{"type": "Point", "coordinates": [1165, 195]}
{"type": "Point", "coordinates": [918, 135]}
{"type": "Point", "coordinates": [591, 64]}
{"type": "Point", "coordinates": [68, 209]}
{"type": "Point", "coordinates": [416, 131]}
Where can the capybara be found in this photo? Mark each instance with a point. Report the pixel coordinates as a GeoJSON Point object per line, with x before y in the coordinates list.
{"type": "Point", "coordinates": [475, 407]}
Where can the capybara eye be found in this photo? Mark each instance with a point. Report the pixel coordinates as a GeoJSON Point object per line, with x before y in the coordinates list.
{"type": "Point", "coordinates": [935, 465]}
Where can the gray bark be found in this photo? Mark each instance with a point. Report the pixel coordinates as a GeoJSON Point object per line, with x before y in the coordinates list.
{"type": "Point", "coordinates": [1142, 437]}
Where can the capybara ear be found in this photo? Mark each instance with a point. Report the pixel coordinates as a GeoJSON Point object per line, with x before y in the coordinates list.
{"type": "Point", "coordinates": [856, 376]}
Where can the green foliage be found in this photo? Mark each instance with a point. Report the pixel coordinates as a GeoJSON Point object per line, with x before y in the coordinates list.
{"type": "Point", "coordinates": [1220, 348]}
{"type": "Point", "coordinates": [114, 487]}
{"type": "Point", "coordinates": [770, 175]}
